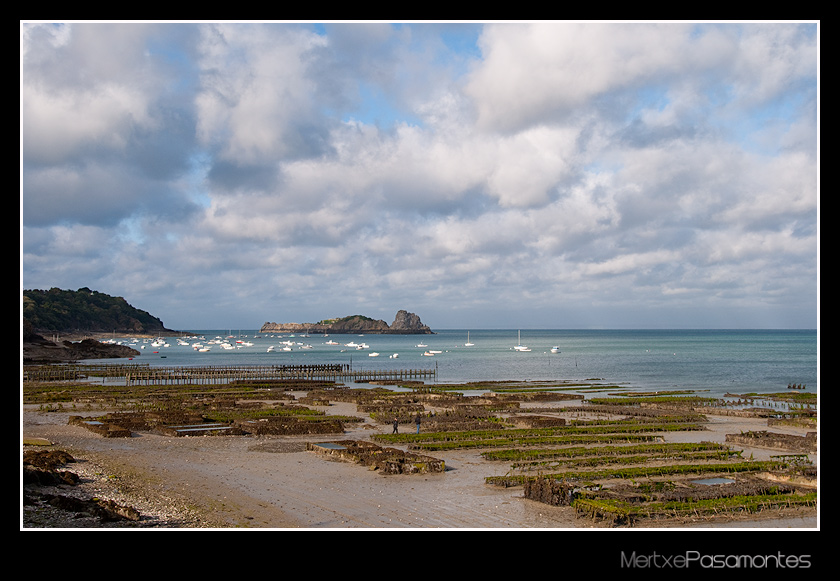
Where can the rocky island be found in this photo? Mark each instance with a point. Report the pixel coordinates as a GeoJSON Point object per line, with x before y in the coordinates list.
{"type": "Point", "coordinates": [405, 323]}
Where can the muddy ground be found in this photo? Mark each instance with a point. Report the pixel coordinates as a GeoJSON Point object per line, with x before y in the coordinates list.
{"type": "Point", "coordinates": [272, 481]}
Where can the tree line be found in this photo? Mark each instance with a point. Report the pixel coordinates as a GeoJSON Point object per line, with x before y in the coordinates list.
{"type": "Point", "coordinates": [84, 310]}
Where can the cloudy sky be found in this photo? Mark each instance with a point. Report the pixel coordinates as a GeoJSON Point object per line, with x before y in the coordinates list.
{"type": "Point", "coordinates": [481, 175]}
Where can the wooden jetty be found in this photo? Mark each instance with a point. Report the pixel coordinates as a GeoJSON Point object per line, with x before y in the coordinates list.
{"type": "Point", "coordinates": [222, 374]}
{"type": "Point", "coordinates": [76, 371]}
{"type": "Point", "coordinates": [226, 374]}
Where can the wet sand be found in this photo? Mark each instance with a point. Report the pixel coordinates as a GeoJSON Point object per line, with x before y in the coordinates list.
{"type": "Point", "coordinates": [273, 482]}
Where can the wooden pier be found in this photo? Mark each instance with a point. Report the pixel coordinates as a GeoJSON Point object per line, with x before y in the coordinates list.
{"type": "Point", "coordinates": [203, 375]}
{"type": "Point", "coordinates": [77, 371]}
{"type": "Point", "coordinates": [227, 374]}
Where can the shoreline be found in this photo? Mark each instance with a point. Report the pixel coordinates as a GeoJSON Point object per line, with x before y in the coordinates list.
{"type": "Point", "coordinates": [272, 482]}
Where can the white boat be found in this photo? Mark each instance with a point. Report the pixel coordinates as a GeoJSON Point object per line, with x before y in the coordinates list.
{"type": "Point", "coordinates": [555, 349]}
{"type": "Point", "coordinates": [374, 354]}
{"type": "Point", "coordinates": [331, 342]}
{"type": "Point", "coordinates": [468, 344]}
{"type": "Point", "coordinates": [394, 356]}
{"type": "Point", "coordinates": [270, 349]}
{"type": "Point", "coordinates": [520, 346]}
{"type": "Point", "coordinates": [428, 354]}
{"type": "Point", "coordinates": [422, 345]}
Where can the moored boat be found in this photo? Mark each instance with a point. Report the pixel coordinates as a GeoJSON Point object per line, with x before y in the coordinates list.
{"type": "Point", "coordinates": [520, 346]}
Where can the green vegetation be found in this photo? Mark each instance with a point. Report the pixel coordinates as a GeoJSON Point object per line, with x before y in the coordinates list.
{"type": "Point", "coordinates": [667, 399]}
{"type": "Point", "coordinates": [609, 432]}
{"type": "Point", "coordinates": [635, 472]}
{"type": "Point", "coordinates": [516, 387]}
{"type": "Point", "coordinates": [621, 511]}
{"type": "Point", "coordinates": [145, 397]}
{"type": "Point", "coordinates": [663, 450]}
{"type": "Point", "coordinates": [344, 319]}
{"type": "Point", "coordinates": [354, 318]}
{"type": "Point", "coordinates": [84, 310]}
{"type": "Point", "coordinates": [800, 397]}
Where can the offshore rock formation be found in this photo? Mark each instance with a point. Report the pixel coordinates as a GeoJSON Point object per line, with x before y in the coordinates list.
{"type": "Point", "coordinates": [408, 322]}
{"type": "Point", "coordinates": [405, 323]}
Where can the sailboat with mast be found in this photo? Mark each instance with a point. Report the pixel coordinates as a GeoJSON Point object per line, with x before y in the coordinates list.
{"type": "Point", "coordinates": [519, 346]}
{"type": "Point", "coordinates": [468, 344]}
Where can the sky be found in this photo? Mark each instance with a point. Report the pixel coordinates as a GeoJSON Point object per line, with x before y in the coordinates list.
{"type": "Point", "coordinates": [570, 175]}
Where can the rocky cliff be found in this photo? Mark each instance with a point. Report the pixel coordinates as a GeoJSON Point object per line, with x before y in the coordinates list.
{"type": "Point", "coordinates": [405, 323]}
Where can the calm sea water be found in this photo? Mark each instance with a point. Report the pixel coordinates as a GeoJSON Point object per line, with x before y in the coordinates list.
{"type": "Point", "coordinates": [719, 361]}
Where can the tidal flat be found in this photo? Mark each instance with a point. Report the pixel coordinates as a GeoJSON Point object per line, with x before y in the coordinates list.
{"type": "Point", "coordinates": [265, 476]}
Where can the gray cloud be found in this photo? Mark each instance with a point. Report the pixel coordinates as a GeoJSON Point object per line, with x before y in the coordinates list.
{"type": "Point", "coordinates": [550, 175]}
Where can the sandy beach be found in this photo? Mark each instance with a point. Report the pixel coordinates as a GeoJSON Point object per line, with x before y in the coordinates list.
{"type": "Point", "coordinates": [273, 482]}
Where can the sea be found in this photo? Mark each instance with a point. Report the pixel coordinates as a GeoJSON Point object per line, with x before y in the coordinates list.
{"type": "Point", "coordinates": [714, 362]}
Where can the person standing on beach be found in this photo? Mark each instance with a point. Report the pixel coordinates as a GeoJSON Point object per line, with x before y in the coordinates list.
{"type": "Point", "coordinates": [417, 421]}
{"type": "Point", "coordinates": [396, 426]}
